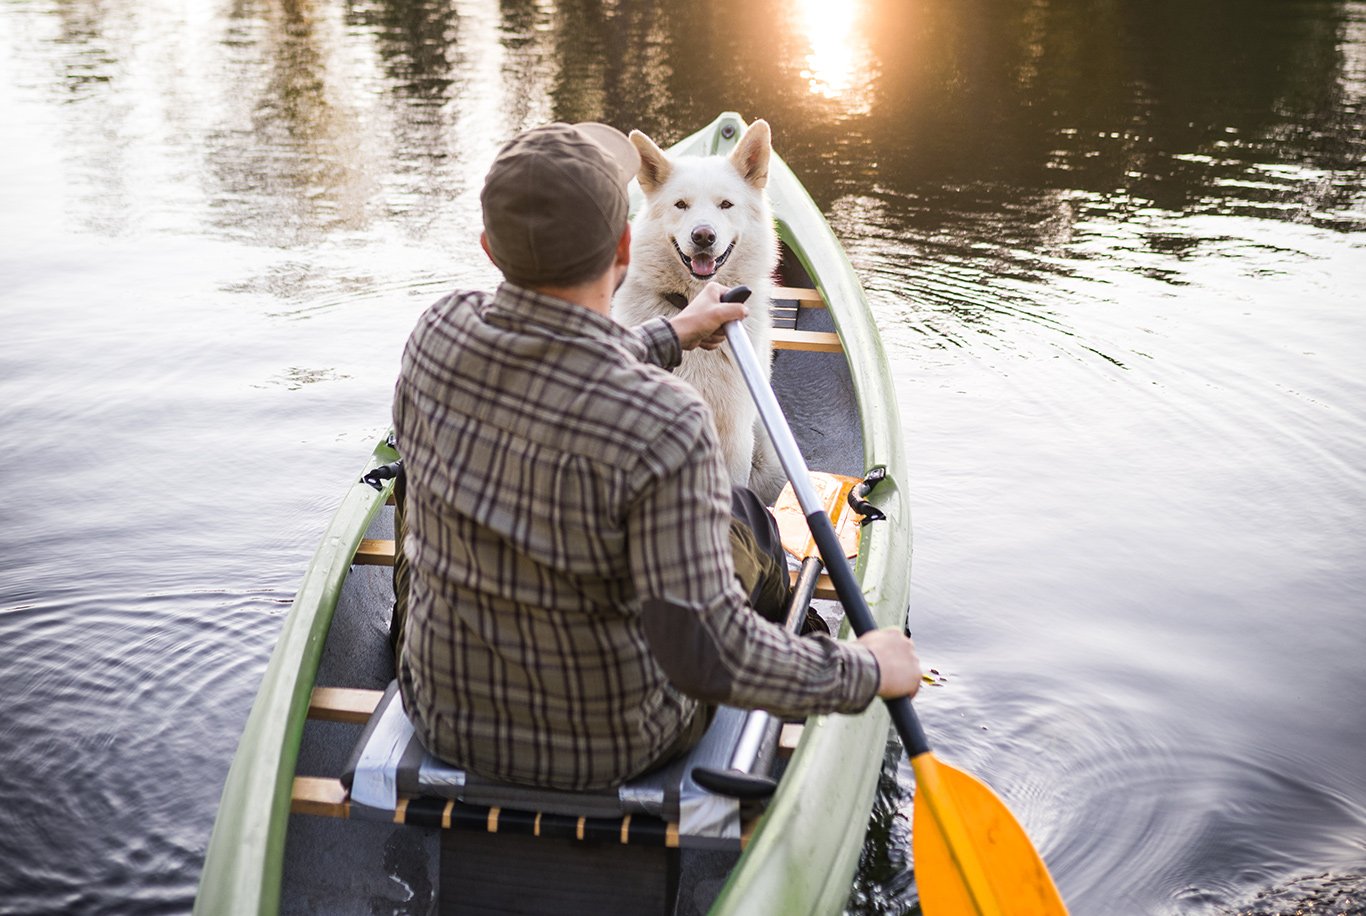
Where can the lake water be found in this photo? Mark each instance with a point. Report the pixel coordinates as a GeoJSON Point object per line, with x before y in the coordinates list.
{"type": "Point", "coordinates": [1117, 251]}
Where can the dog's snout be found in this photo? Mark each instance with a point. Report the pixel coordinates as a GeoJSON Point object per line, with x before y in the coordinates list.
{"type": "Point", "coordinates": [704, 236]}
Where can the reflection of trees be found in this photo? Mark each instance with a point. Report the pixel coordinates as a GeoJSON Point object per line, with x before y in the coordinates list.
{"type": "Point", "coordinates": [289, 154]}
{"type": "Point", "coordinates": [527, 36]}
{"type": "Point", "coordinates": [426, 71]}
{"type": "Point", "coordinates": [633, 63]}
{"type": "Point", "coordinates": [87, 67]}
{"type": "Point", "coordinates": [585, 60]}
{"type": "Point", "coordinates": [318, 114]}
{"type": "Point", "coordinates": [1100, 97]}
{"type": "Point", "coordinates": [1167, 104]}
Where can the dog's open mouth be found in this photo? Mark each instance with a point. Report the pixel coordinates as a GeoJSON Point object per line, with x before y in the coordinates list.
{"type": "Point", "coordinates": [701, 266]}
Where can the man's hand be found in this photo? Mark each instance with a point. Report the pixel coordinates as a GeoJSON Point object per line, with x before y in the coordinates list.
{"type": "Point", "coordinates": [700, 324]}
{"type": "Point", "coordinates": [896, 660]}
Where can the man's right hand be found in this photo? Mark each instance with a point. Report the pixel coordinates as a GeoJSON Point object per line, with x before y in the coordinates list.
{"type": "Point", "coordinates": [701, 323]}
{"type": "Point", "coordinates": [896, 661]}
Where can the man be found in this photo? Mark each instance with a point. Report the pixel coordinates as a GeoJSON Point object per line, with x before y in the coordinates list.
{"type": "Point", "coordinates": [574, 599]}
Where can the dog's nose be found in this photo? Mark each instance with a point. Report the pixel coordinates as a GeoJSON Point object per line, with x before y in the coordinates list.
{"type": "Point", "coordinates": [704, 236]}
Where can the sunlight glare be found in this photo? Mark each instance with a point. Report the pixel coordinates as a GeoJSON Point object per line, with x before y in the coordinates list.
{"type": "Point", "coordinates": [839, 65]}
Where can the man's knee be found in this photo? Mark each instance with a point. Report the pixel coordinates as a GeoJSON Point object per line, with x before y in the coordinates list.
{"type": "Point", "coordinates": [758, 553]}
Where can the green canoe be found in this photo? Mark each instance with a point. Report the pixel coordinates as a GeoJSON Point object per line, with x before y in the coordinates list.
{"type": "Point", "coordinates": [831, 376]}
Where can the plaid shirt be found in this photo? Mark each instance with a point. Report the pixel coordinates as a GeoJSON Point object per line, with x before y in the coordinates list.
{"type": "Point", "coordinates": [560, 478]}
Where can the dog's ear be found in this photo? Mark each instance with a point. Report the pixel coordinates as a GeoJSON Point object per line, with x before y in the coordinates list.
{"type": "Point", "coordinates": [750, 156]}
{"type": "Point", "coordinates": [654, 165]}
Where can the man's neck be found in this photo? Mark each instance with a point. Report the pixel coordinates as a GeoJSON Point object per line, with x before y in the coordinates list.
{"type": "Point", "coordinates": [595, 295]}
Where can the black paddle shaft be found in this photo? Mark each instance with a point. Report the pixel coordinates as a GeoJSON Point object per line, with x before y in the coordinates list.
{"type": "Point", "coordinates": [837, 565]}
{"type": "Point", "coordinates": [861, 619]}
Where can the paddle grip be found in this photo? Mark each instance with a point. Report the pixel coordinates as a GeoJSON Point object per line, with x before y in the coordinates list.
{"type": "Point", "coordinates": [736, 294]}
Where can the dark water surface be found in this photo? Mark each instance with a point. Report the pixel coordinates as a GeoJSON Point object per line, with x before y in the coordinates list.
{"type": "Point", "coordinates": [1118, 254]}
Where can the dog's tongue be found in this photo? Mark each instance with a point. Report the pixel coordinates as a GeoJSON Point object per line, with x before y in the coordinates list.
{"type": "Point", "coordinates": [703, 267]}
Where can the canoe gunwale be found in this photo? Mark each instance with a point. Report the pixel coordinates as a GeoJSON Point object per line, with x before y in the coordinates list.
{"type": "Point", "coordinates": [243, 866]}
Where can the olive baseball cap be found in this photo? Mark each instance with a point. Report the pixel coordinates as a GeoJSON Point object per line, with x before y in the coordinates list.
{"type": "Point", "coordinates": [555, 202]}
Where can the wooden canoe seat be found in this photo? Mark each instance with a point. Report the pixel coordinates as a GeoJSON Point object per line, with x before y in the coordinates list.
{"type": "Point", "coordinates": [391, 777]}
{"type": "Point", "coordinates": [380, 552]}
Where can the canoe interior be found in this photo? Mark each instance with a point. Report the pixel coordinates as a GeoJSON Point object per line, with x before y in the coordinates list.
{"type": "Point", "coordinates": [361, 867]}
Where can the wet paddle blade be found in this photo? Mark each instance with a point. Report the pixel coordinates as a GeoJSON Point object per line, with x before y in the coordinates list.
{"type": "Point", "coordinates": [971, 855]}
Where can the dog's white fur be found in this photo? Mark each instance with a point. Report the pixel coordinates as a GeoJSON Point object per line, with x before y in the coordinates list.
{"type": "Point", "coordinates": [707, 209]}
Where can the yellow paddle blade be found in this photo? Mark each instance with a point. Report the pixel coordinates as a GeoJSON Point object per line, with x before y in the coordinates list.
{"type": "Point", "coordinates": [971, 855]}
{"type": "Point", "coordinates": [833, 491]}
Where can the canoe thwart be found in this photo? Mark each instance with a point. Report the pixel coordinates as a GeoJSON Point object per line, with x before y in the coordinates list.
{"type": "Point", "coordinates": [375, 552]}
{"type": "Point", "coordinates": [816, 341]}
{"type": "Point", "coordinates": [343, 704]}
{"type": "Point", "coordinates": [320, 796]}
{"type": "Point", "coordinates": [804, 296]}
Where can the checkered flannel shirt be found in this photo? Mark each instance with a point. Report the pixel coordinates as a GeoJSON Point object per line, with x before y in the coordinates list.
{"type": "Point", "coordinates": [560, 478]}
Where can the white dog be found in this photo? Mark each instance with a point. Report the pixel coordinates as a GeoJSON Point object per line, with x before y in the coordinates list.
{"type": "Point", "coordinates": [708, 218]}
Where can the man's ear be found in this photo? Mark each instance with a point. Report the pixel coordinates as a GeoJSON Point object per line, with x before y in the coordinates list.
{"type": "Point", "coordinates": [624, 247]}
{"type": "Point", "coordinates": [484, 244]}
{"type": "Point", "coordinates": [654, 165]}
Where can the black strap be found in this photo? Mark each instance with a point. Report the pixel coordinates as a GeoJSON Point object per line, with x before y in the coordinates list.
{"type": "Point", "coordinates": [858, 500]}
{"type": "Point", "coordinates": [376, 476]}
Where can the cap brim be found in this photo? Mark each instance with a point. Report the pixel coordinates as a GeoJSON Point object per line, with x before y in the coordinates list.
{"type": "Point", "coordinates": [614, 143]}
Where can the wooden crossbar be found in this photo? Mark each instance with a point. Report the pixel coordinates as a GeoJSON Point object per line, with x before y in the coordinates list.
{"type": "Point", "coordinates": [375, 552]}
{"type": "Point", "coordinates": [320, 796]}
{"type": "Point", "coordinates": [378, 552]}
{"type": "Point", "coordinates": [808, 298]}
{"type": "Point", "coordinates": [819, 341]}
{"type": "Point", "coordinates": [343, 704]}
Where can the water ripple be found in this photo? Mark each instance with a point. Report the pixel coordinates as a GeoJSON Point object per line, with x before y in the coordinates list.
{"type": "Point", "coordinates": [1118, 808]}
{"type": "Point", "coordinates": [141, 703]}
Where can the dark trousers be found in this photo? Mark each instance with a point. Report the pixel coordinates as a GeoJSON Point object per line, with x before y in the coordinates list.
{"type": "Point", "coordinates": [758, 550]}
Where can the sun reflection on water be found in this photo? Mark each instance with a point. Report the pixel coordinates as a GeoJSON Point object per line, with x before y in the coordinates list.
{"type": "Point", "coordinates": [839, 65]}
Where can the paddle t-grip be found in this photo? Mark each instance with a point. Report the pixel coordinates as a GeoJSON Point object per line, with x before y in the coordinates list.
{"type": "Point", "coordinates": [736, 294]}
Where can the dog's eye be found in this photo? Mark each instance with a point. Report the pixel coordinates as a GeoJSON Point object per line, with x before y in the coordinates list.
{"type": "Point", "coordinates": [726, 205]}
{"type": "Point", "coordinates": [681, 204]}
